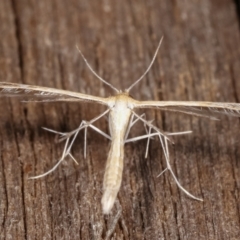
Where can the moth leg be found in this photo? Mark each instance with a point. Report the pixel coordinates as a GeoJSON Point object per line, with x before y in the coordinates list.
{"type": "Point", "coordinates": [55, 166]}
{"type": "Point", "coordinates": [134, 121]}
{"type": "Point", "coordinates": [171, 134]}
{"type": "Point", "coordinates": [151, 125]}
{"type": "Point", "coordinates": [149, 138]}
{"type": "Point", "coordinates": [89, 124]}
{"type": "Point", "coordinates": [149, 130]}
{"type": "Point", "coordinates": [70, 138]}
{"type": "Point", "coordinates": [150, 135]}
{"type": "Point", "coordinates": [164, 144]}
{"type": "Point", "coordinates": [154, 134]}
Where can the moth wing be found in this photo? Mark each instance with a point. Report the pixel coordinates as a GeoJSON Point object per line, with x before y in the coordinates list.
{"type": "Point", "coordinates": [194, 108]}
{"type": "Point", "coordinates": [31, 93]}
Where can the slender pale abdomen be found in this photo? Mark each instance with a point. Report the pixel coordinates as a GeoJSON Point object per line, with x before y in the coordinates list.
{"type": "Point", "coordinates": [113, 175]}
{"type": "Point", "coordinates": [118, 123]}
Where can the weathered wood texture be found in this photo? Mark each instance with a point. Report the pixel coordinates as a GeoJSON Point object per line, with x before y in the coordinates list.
{"type": "Point", "coordinates": [199, 60]}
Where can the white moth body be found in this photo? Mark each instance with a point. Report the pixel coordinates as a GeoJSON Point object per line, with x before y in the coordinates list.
{"type": "Point", "coordinates": [118, 123]}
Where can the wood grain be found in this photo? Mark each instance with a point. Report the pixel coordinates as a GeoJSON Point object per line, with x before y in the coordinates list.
{"type": "Point", "coordinates": [199, 60]}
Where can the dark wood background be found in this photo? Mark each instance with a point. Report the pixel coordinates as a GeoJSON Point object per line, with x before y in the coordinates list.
{"type": "Point", "coordinates": [199, 60]}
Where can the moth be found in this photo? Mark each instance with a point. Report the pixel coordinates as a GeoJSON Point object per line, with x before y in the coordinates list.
{"type": "Point", "coordinates": [122, 116]}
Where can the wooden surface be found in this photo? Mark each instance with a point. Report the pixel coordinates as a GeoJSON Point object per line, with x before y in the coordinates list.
{"type": "Point", "coordinates": [199, 60]}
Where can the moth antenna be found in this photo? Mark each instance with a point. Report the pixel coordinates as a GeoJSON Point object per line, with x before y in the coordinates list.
{"type": "Point", "coordinates": [89, 66]}
{"type": "Point", "coordinates": [149, 67]}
